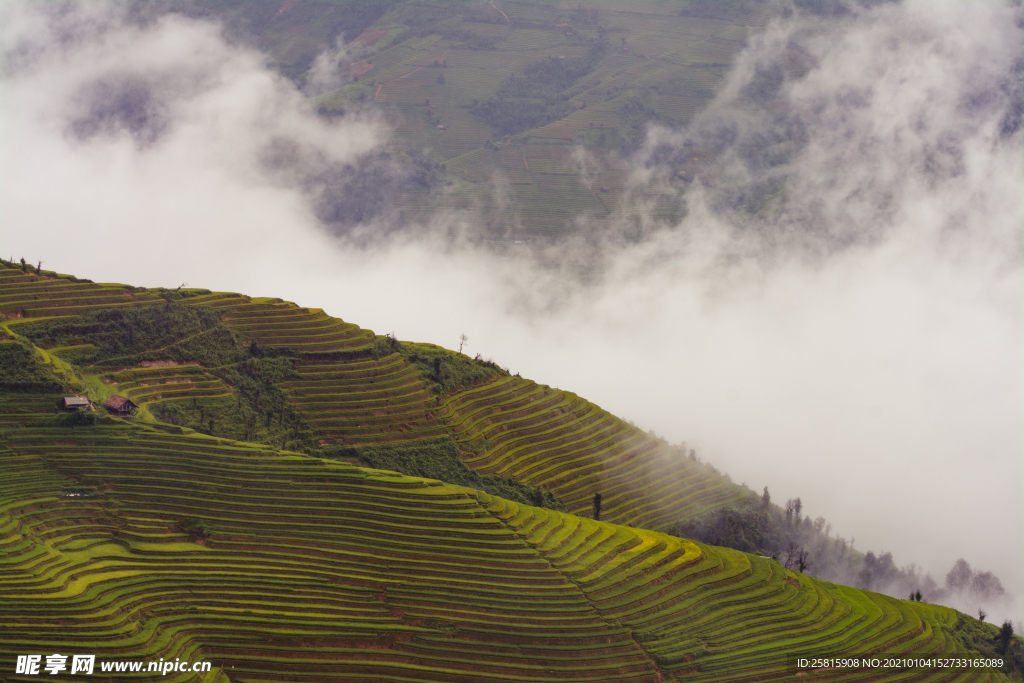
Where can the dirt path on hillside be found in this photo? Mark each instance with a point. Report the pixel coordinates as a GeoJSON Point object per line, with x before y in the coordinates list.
{"type": "Point", "coordinates": [502, 13]}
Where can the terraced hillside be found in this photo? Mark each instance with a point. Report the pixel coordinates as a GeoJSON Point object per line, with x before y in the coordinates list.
{"type": "Point", "coordinates": [351, 392]}
{"type": "Point", "coordinates": [365, 401]}
{"type": "Point", "coordinates": [19, 410]}
{"type": "Point", "coordinates": [547, 100]}
{"type": "Point", "coordinates": [266, 322]}
{"type": "Point", "coordinates": [569, 446]}
{"type": "Point", "coordinates": [147, 386]}
{"type": "Point", "coordinates": [25, 295]}
{"type": "Point", "coordinates": [134, 544]}
{"type": "Point", "coordinates": [273, 322]}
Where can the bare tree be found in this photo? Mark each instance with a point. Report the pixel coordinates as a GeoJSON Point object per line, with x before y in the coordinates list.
{"type": "Point", "coordinates": [463, 340]}
{"type": "Point", "coordinates": [981, 614]}
{"type": "Point", "coordinates": [39, 268]}
{"type": "Point", "coordinates": [796, 558]}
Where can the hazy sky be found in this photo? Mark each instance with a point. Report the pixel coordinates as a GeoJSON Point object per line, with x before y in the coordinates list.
{"type": "Point", "coordinates": [861, 349]}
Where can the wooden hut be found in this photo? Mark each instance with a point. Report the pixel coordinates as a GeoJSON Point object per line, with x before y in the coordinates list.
{"type": "Point", "coordinates": [119, 405]}
{"type": "Point", "coordinates": [74, 404]}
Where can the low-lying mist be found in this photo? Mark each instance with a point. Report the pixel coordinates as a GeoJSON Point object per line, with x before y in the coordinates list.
{"type": "Point", "coordinates": [838, 316]}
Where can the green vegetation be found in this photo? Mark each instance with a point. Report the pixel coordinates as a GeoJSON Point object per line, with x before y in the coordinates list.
{"type": "Point", "coordinates": [990, 641]}
{"type": "Point", "coordinates": [146, 386]}
{"type": "Point", "coordinates": [196, 529]}
{"type": "Point", "coordinates": [22, 370]}
{"type": "Point", "coordinates": [127, 336]}
{"type": "Point", "coordinates": [439, 459]}
{"type": "Point", "coordinates": [83, 418]}
{"type": "Point", "coordinates": [446, 370]}
{"type": "Point", "coordinates": [251, 407]}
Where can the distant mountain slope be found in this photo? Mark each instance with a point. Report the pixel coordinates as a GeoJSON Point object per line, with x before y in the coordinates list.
{"type": "Point", "coordinates": [133, 544]}
{"type": "Point", "coordinates": [545, 100]}
{"type": "Point", "coordinates": [338, 386]}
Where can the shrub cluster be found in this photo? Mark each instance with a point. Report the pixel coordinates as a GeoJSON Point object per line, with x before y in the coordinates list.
{"type": "Point", "coordinates": [23, 371]}
{"type": "Point", "coordinates": [439, 459]}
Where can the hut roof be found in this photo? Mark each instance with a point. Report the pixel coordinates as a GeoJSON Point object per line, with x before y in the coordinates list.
{"type": "Point", "coordinates": [117, 402]}
{"type": "Point", "coordinates": [76, 401]}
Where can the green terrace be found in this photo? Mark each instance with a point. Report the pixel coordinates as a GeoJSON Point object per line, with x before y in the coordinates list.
{"type": "Point", "coordinates": [365, 401]}
{"type": "Point", "coordinates": [27, 295]}
{"type": "Point", "coordinates": [18, 410]}
{"type": "Point", "coordinates": [154, 385]}
{"type": "Point", "coordinates": [131, 543]}
{"type": "Point", "coordinates": [561, 442]}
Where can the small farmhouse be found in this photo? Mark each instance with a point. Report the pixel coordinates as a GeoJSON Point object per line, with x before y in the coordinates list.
{"type": "Point", "coordinates": [119, 405]}
{"type": "Point", "coordinates": [75, 403]}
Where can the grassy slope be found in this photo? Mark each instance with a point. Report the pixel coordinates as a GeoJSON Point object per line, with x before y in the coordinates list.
{"type": "Point", "coordinates": [275, 565]}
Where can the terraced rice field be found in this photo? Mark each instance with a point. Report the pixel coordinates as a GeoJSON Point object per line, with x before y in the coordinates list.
{"type": "Point", "coordinates": [268, 322]}
{"type": "Point", "coordinates": [32, 296]}
{"type": "Point", "coordinates": [310, 570]}
{"type": "Point", "coordinates": [365, 401]}
{"type": "Point", "coordinates": [556, 440]}
{"type": "Point", "coordinates": [273, 322]}
{"type": "Point", "coordinates": [17, 410]}
{"type": "Point", "coordinates": [147, 386]}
